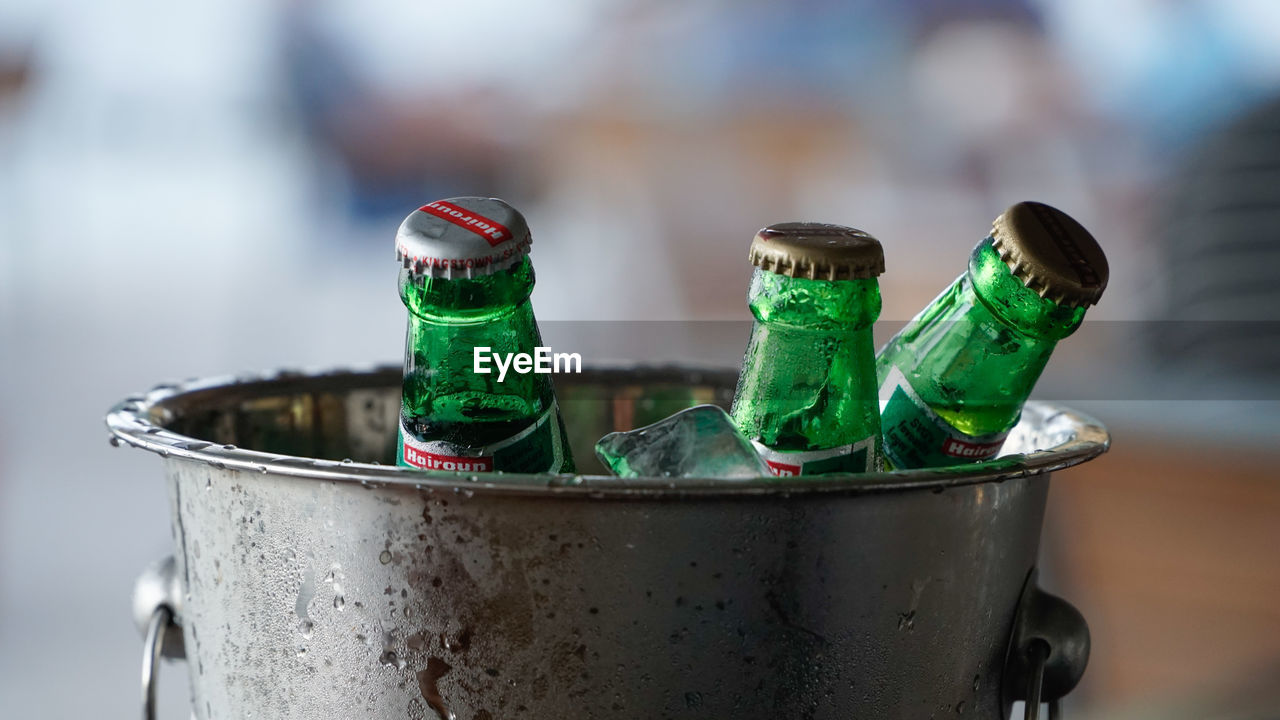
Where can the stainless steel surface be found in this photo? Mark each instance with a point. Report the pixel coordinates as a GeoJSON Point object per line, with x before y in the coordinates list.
{"type": "Point", "coordinates": [320, 586]}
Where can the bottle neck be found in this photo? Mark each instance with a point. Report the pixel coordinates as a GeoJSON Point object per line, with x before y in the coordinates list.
{"type": "Point", "coordinates": [808, 376]}
{"type": "Point", "coordinates": [467, 301]}
{"type": "Point", "coordinates": [1009, 300]}
{"type": "Point", "coordinates": [818, 305]}
{"type": "Point", "coordinates": [974, 354]}
{"type": "Point", "coordinates": [459, 331]}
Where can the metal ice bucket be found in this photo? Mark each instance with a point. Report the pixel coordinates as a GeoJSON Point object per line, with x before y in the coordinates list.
{"type": "Point", "coordinates": [310, 582]}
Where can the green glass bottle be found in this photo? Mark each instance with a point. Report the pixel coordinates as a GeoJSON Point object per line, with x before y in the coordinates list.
{"type": "Point", "coordinates": [466, 281]}
{"type": "Point", "coordinates": [953, 381]}
{"type": "Point", "coordinates": [806, 397]}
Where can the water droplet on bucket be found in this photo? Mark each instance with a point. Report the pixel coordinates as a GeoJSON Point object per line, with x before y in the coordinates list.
{"type": "Point", "coordinates": [428, 685]}
{"type": "Point", "coordinates": [339, 602]}
{"type": "Point", "coordinates": [306, 628]}
{"type": "Point", "coordinates": [384, 557]}
{"type": "Point", "coordinates": [960, 708]}
{"type": "Point", "coordinates": [113, 441]}
{"type": "Point", "coordinates": [459, 642]}
{"type": "Point", "coordinates": [348, 461]}
{"type": "Point", "coordinates": [302, 652]}
{"type": "Point", "coordinates": [228, 447]}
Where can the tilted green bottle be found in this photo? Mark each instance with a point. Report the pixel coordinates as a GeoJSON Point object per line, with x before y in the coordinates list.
{"type": "Point", "coordinates": [806, 397]}
{"type": "Point", "coordinates": [466, 281]}
{"type": "Point", "coordinates": [953, 381]}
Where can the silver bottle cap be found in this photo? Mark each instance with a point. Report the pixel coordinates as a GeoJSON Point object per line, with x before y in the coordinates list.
{"type": "Point", "coordinates": [462, 237]}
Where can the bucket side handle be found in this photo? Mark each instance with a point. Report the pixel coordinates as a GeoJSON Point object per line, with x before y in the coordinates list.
{"type": "Point", "coordinates": [1048, 651]}
{"type": "Point", "coordinates": [157, 603]}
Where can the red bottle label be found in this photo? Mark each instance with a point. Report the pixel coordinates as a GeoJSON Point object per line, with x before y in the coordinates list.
{"type": "Point", "coordinates": [538, 448]}
{"type": "Point", "coordinates": [856, 457]}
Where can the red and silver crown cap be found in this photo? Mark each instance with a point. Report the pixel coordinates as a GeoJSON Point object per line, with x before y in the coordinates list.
{"type": "Point", "coordinates": [462, 237]}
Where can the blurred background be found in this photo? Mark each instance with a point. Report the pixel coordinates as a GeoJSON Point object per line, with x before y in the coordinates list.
{"type": "Point", "coordinates": [203, 188]}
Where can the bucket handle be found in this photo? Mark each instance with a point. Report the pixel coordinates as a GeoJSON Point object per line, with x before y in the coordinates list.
{"type": "Point", "coordinates": [152, 648]}
{"type": "Point", "coordinates": [157, 602]}
{"type": "Point", "coordinates": [1048, 651]}
{"type": "Point", "coordinates": [1040, 652]}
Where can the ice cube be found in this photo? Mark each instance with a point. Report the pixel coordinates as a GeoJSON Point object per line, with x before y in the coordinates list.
{"type": "Point", "coordinates": [698, 442]}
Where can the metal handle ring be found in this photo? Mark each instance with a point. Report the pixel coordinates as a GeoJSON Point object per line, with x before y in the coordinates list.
{"type": "Point", "coordinates": [152, 647]}
{"type": "Point", "coordinates": [1040, 652]}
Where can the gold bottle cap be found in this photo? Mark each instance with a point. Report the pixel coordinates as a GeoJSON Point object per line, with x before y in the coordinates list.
{"type": "Point", "coordinates": [817, 251]}
{"type": "Point", "coordinates": [1051, 253]}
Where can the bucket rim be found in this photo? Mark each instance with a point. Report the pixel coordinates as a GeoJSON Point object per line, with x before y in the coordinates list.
{"type": "Point", "coordinates": [139, 421]}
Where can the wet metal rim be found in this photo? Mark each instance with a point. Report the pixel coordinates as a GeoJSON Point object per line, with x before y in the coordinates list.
{"type": "Point", "coordinates": [139, 421]}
